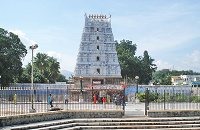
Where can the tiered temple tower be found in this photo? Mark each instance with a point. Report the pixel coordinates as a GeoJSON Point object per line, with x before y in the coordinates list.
{"type": "Point", "coordinates": [97, 60]}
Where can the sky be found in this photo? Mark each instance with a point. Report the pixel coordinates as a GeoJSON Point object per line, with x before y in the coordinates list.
{"type": "Point", "coordinates": [168, 30]}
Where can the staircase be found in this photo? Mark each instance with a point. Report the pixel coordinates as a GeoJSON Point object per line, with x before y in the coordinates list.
{"type": "Point", "coordinates": [175, 123]}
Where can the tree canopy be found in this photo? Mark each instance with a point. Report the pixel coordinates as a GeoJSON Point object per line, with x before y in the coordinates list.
{"type": "Point", "coordinates": [132, 65]}
{"type": "Point", "coordinates": [45, 70]}
{"type": "Point", "coordinates": [12, 51]}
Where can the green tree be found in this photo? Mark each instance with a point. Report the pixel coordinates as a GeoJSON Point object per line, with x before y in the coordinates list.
{"type": "Point", "coordinates": [61, 78]}
{"type": "Point", "coordinates": [41, 61]}
{"type": "Point", "coordinates": [157, 75]}
{"type": "Point", "coordinates": [48, 66]}
{"type": "Point", "coordinates": [12, 50]}
{"type": "Point", "coordinates": [131, 65]}
{"type": "Point", "coordinates": [167, 80]}
{"type": "Point", "coordinates": [54, 67]}
{"type": "Point", "coordinates": [26, 75]}
{"type": "Point", "coordinates": [125, 52]}
{"type": "Point", "coordinates": [147, 68]}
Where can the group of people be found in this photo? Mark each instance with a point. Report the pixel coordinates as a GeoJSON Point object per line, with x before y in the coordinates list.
{"type": "Point", "coordinates": [51, 99]}
{"type": "Point", "coordinates": [116, 98]}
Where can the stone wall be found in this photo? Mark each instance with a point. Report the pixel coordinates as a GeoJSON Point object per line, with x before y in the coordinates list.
{"type": "Point", "coordinates": [56, 115]}
{"type": "Point", "coordinates": [173, 113]}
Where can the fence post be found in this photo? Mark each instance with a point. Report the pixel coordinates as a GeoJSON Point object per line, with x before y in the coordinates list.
{"type": "Point", "coordinates": [147, 101]}
{"type": "Point", "coordinates": [164, 98]}
{"type": "Point", "coordinates": [124, 99]}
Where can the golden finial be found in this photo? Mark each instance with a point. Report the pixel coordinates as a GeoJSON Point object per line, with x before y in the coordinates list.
{"type": "Point", "coordinates": [89, 15]}
{"type": "Point", "coordinates": [94, 15]}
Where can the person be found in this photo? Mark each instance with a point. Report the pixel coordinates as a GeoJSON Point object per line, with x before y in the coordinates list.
{"type": "Point", "coordinates": [66, 98]}
{"type": "Point", "coordinates": [15, 99]}
{"type": "Point", "coordinates": [104, 102]}
{"type": "Point", "coordinates": [114, 96]}
{"type": "Point", "coordinates": [123, 100]}
{"type": "Point", "coordinates": [118, 99]}
{"type": "Point", "coordinates": [108, 99]}
{"type": "Point", "coordinates": [50, 100]}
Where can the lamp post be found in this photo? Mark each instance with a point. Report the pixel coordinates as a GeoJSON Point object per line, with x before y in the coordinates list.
{"type": "Point", "coordinates": [137, 77]}
{"type": "Point", "coordinates": [81, 91]}
{"type": "Point", "coordinates": [0, 79]}
{"type": "Point", "coordinates": [32, 48]}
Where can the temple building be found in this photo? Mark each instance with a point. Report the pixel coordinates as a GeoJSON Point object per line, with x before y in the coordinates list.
{"type": "Point", "coordinates": [97, 61]}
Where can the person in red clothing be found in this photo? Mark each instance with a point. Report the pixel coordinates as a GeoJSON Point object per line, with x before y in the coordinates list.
{"type": "Point", "coordinates": [104, 102]}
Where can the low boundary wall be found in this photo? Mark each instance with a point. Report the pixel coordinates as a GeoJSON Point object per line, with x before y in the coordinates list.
{"type": "Point", "coordinates": [173, 113]}
{"type": "Point", "coordinates": [56, 115]}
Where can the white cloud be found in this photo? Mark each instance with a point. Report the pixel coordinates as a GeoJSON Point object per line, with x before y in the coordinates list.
{"type": "Point", "coordinates": [27, 42]}
{"type": "Point", "coordinates": [191, 61]}
{"type": "Point", "coordinates": [67, 62]}
{"type": "Point", "coordinates": [163, 65]}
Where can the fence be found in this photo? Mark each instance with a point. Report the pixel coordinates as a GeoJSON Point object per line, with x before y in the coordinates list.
{"type": "Point", "coordinates": [172, 98]}
{"type": "Point", "coordinates": [40, 102]}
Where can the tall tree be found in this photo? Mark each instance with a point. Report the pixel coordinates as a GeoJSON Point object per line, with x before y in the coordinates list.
{"type": "Point", "coordinates": [147, 68]}
{"type": "Point", "coordinates": [125, 52]}
{"type": "Point", "coordinates": [131, 65]}
{"type": "Point", "coordinates": [48, 66]}
{"type": "Point", "coordinates": [26, 75]}
{"type": "Point", "coordinates": [12, 50]}
{"type": "Point", "coordinates": [41, 61]}
{"type": "Point", "coordinates": [54, 67]}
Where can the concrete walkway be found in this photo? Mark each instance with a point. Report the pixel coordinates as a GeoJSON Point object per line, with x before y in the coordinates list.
{"type": "Point", "coordinates": [134, 109]}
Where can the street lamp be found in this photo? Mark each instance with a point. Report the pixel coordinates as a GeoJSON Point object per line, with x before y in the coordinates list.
{"type": "Point", "coordinates": [136, 77]}
{"type": "Point", "coordinates": [35, 46]}
{"type": "Point", "coordinates": [0, 79]}
{"type": "Point", "coordinates": [81, 91]}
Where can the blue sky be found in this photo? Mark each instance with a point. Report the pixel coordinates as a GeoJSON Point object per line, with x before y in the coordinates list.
{"type": "Point", "coordinates": [168, 30]}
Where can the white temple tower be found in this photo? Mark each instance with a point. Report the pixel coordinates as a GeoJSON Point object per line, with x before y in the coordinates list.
{"type": "Point", "coordinates": [97, 60]}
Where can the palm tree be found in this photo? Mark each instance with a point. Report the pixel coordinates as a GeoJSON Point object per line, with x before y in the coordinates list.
{"type": "Point", "coordinates": [41, 62]}
{"type": "Point", "coordinates": [54, 67]}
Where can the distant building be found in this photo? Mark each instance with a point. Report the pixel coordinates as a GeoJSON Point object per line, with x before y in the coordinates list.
{"type": "Point", "coordinates": [97, 61]}
{"type": "Point", "coordinates": [186, 79]}
{"type": "Point", "coordinates": [177, 80]}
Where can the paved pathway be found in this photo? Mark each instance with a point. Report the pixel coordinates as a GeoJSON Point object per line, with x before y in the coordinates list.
{"type": "Point", "coordinates": [134, 109]}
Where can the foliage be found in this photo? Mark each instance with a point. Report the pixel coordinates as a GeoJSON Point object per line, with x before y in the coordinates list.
{"type": "Point", "coordinates": [26, 75]}
{"type": "Point", "coordinates": [131, 65]}
{"type": "Point", "coordinates": [61, 78]}
{"type": "Point", "coordinates": [157, 75]}
{"type": "Point", "coordinates": [45, 70]}
{"type": "Point", "coordinates": [12, 50]}
{"type": "Point", "coordinates": [160, 74]}
{"type": "Point", "coordinates": [167, 80]}
{"type": "Point", "coordinates": [147, 68]}
{"type": "Point", "coordinates": [175, 97]}
{"type": "Point", "coordinates": [48, 66]}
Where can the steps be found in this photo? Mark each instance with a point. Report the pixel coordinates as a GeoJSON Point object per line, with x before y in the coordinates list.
{"type": "Point", "coordinates": [176, 123]}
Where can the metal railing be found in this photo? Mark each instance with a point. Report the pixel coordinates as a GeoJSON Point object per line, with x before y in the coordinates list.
{"type": "Point", "coordinates": [172, 98]}
{"type": "Point", "coordinates": [41, 93]}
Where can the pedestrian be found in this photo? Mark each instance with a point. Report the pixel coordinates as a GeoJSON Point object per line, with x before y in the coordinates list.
{"type": "Point", "coordinates": [104, 102]}
{"type": "Point", "coordinates": [118, 99]}
{"type": "Point", "coordinates": [114, 96]}
{"type": "Point", "coordinates": [108, 99]}
{"type": "Point", "coordinates": [123, 100]}
{"type": "Point", "coordinates": [15, 99]}
{"type": "Point", "coordinates": [66, 98]}
{"type": "Point", "coordinates": [50, 100]}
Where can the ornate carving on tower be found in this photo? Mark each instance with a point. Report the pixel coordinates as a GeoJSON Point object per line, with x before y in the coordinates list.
{"type": "Point", "coordinates": [97, 57]}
